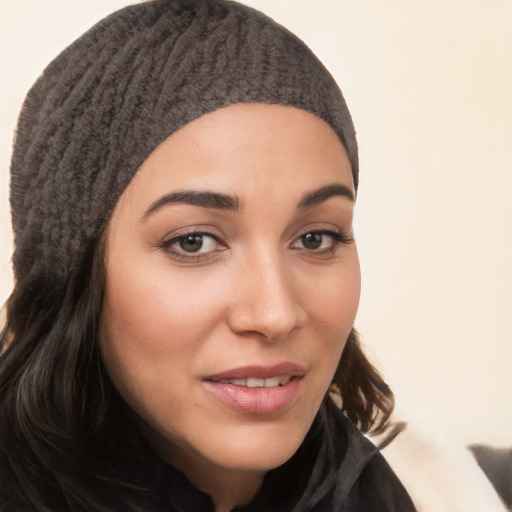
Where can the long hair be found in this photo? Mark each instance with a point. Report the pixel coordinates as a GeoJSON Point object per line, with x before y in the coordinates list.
{"type": "Point", "coordinates": [55, 394]}
{"type": "Point", "coordinates": [366, 399]}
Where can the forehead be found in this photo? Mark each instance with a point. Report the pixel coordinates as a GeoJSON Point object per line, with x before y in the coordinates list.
{"type": "Point", "coordinates": [246, 149]}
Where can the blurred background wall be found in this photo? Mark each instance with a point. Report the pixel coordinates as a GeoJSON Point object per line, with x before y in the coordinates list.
{"type": "Point", "coordinates": [429, 85]}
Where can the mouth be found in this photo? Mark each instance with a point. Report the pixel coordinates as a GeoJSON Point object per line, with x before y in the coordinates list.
{"type": "Point", "coordinates": [257, 375]}
{"type": "Point", "coordinates": [253, 382]}
{"type": "Point", "coordinates": [258, 389]}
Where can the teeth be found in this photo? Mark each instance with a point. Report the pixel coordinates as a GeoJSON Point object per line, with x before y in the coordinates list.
{"type": "Point", "coordinates": [284, 379]}
{"type": "Point", "coordinates": [255, 383]}
{"type": "Point", "coordinates": [273, 382]}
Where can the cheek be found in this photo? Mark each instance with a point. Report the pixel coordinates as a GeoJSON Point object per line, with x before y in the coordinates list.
{"type": "Point", "coordinates": [336, 306]}
{"type": "Point", "coordinates": [332, 298]}
{"type": "Point", "coordinates": [154, 322]}
{"type": "Point", "coordinates": [158, 310]}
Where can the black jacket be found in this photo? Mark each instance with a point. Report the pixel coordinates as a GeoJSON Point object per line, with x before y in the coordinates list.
{"type": "Point", "coordinates": [336, 469]}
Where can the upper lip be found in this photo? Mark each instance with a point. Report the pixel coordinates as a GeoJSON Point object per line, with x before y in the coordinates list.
{"type": "Point", "coordinates": [260, 372]}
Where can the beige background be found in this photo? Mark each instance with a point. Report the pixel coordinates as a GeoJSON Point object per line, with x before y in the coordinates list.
{"type": "Point", "coordinates": [429, 85]}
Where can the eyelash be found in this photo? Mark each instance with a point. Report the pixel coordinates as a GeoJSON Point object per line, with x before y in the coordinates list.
{"type": "Point", "coordinates": [337, 239]}
{"type": "Point", "coordinates": [188, 256]}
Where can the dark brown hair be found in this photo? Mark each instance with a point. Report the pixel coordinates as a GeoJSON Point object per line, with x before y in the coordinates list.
{"type": "Point", "coordinates": [54, 392]}
{"type": "Point", "coordinates": [366, 398]}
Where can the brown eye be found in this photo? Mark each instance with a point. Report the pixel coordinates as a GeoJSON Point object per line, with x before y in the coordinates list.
{"type": "Point", "coordinates": [320, 241]}
{"type": "Point", "coordinates": [191, 243]}
{"type": "Point", "coordinates": [312, 241]}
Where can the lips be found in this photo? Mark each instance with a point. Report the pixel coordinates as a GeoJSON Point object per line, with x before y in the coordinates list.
{"type": "Point", "coordinates": [260, 372]}
{"type": "Point", "coordinates": [257, 389]}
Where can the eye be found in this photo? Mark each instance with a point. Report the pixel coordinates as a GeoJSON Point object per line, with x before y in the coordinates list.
{"type": "Point", "coordinates": [319, 241]}
{"type": "Point", "coordinates": [315, 241]}
{"type": "Point", "coordinates": [192, 244]}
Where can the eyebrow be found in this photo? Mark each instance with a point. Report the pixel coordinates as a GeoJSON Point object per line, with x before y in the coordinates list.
{"type": "Point", "coordinates": [196, 198]}
{"type": "Point", "coordinates": [221, 201]}
{"type": "Point", "coordinates": [322, 194]}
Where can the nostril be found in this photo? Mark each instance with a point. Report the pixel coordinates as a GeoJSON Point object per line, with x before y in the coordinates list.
{"type": "Point", "coordinates": [266, 305]}
{"type": "Point", "coordinates": [270, 324]}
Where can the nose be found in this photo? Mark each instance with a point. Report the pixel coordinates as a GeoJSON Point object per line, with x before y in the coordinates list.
{"type": "Point", "coordinates": [265, 303]}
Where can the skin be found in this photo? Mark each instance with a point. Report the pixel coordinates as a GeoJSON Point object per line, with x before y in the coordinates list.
{"type": "Point", "coordinates": [257, 292]}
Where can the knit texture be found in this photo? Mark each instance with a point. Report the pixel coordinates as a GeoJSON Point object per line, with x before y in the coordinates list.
{"type": "Point", "coordinates": [110, 98]}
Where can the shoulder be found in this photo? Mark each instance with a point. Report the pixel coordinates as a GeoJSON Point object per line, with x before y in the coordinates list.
{"type": "Point", "coordinates": [365, 481]}
{"type": "Point", "coordinates": [378, 489]}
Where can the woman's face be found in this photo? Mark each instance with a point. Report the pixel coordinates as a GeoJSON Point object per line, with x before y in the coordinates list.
{"type": "Point", "coordinates": [232, 285]}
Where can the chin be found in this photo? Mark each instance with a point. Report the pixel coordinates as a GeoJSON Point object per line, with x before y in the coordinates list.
{"type": "Point", "coordinates": [256, 448]}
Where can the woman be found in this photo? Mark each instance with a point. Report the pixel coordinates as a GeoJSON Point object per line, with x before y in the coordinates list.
{"type": "Point", "coordinates": [182, 193]}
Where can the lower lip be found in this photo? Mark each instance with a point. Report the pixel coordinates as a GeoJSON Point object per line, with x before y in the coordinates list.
{"type": "Point", "coordinates": [256, 400]}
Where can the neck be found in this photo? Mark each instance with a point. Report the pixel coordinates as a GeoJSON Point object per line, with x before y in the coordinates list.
{"type": "Point", "coordinates": [226, 487]}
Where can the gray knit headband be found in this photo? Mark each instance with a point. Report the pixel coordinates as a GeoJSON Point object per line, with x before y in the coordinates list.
{"type": "Point", "coordinates": [108, 100]}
